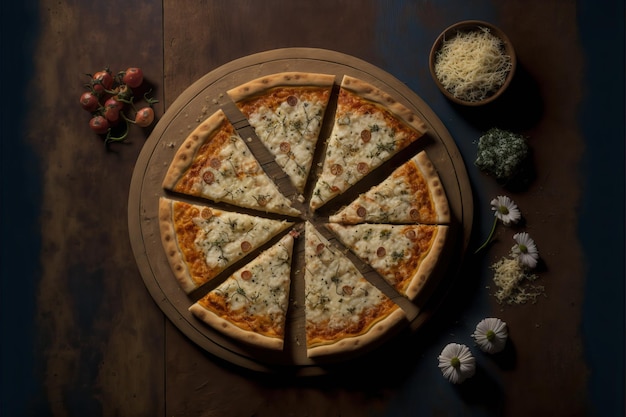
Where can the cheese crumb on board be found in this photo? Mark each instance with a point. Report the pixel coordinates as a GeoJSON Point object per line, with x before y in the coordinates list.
{"type": "Point", "coordinates": [511, 280]}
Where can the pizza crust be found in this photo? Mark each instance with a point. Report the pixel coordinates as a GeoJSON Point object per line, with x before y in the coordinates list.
{"type": "Point", "coordinates": [261, 84]}
{"type": "Point", "coordinates": [173, 252]}
{"type": "Point", "coordinates": [374, 334]}
{"type": "Point", "coordinates": [375, 95]}
{"type": "Point", "coordinates": [229, 329]}
{"type": "Point", "coordinates": [424, 272]}
{"type": "Point", "coordinates": [437, 192]}
{"type": "Point", "coordinates": [184, 157]}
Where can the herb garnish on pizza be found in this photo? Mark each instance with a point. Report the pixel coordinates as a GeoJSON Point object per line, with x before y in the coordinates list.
{"type": "Point", "coordinates": [369, 128]}
{"type": "Point", "coordinates": [286, 111]}
{"type": "Point", "coordinates": [404, 255]}
{"type": "Point", "coordinates": [215, 163]}
{"type": "Point", "coordinates": [200, 242]}
{"type": "Point", "coordinates": [251, 304]}
{"type": "Point", "coordinates": [413, 193]}
{"type": "Point", "coordinates": [343, 310]}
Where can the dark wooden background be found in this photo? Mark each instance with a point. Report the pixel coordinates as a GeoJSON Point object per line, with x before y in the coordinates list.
{"type": "Point", "coordinates": [81, 334]}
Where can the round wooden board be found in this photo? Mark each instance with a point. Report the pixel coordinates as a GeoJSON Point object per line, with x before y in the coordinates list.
{"type": "Point", "coordinates": [206, 96]}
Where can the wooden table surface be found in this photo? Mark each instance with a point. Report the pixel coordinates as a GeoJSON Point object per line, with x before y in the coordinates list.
{"type": "Point", "coordinates": [82, 335]}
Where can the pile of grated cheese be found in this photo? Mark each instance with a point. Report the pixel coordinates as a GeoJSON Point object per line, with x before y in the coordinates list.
{"type": "Point", "coordinates": [512, 282]}
{"type": "Point", "coordinates": [472, 65]}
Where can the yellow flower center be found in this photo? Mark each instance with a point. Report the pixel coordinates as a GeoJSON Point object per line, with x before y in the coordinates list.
{"type": "Point", "coordinates": [455, 362]}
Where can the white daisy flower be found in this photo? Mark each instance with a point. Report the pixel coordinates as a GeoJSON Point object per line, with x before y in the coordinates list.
{"type": "Point", "coordinates": [457, 363]}
{"type": "Point", "coordinates": [525, 250]}
{"type": "Point", "coordinates": [491, 334]}
{"type": "Point", "coordinates": [506, 210]}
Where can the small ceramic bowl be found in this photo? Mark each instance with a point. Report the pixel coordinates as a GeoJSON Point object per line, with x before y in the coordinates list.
{"type": "Point", "coordinates": [468, 26]}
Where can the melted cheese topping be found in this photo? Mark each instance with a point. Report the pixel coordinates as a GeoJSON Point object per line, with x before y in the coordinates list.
{"type": "Point", "coordinates": [363, 137]}
{"type": "Point", "coordinates": [394, 251]}
{"type": "Point", "coordinates": [403, 197]}
{"type": "Point", "coordinates": [256, 296]}
{"type": "Point", "coordinates": [212, 239]}
{"type": "Point", "coordinates": [472, 65]}
{"type": "Point", "coordinates": [288, 123]}
{"type": "Point", "coordinates": [226, 171]}
{"type": "Point", "coordinates": [339, 302]}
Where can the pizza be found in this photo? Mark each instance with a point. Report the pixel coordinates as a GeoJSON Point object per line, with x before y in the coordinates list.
{"type": "Point", "coordinates": [404, 255]}
{"type": "Point", "coordinates": [369, 128]}
{"type": "Point", "coordinates": [224, 221]}
{"type": "Point", "coordinates": [215, 163]}
{"type": "Point", "coordinates": [251, 304]}
{"type": "Point", "coordinates": [343, 310]}
{"type": "Point", "coordinates": [413, 193]}
{"type": "Point", "coordinates": [286, 111]}
{"type": "Point", "coordinates": [200, 241]}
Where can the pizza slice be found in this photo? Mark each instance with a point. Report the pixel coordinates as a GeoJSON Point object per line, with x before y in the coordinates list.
{"type": "Point", "coordinates": [200, 242]}
{"type": "Point", "coordinates": [214, 162]}
{"type": "Point", "coordinates": [369, 128]}
{"type": "Point", "coordinates": [343, 310]}
{"type": "Point", "coordinates": [404, 255]}
{"type": "Point", "coordinates": [413, 193]}
{"type": "Point", "coordinates": [286, 112]}
{"type": "Point", "coordinates": [251, 304]}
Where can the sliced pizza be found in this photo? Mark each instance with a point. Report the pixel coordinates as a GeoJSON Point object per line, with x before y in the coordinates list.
{"type": "Point", "coordinates": [215, 163]}
{"type": "Point", "coordinates": [343, 310]}
{"type": "Point", "coordinates": [286, 111]}
{"type": "Point", "coordinates": [200, 242]}
{"type": "Point", "coordinates": [251, 304]}
{"type": "Point", "coordinates": [369, 127]}
{"type": "Point", "coordinates": [413, 193]}
{"type": "Point", "coordinates": [404, 255]}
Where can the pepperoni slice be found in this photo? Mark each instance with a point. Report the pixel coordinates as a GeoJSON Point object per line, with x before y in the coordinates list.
{"type": "Point", "coordinates": [320, 247]}
{"type": "Point", "coordinates": [415, 214]}
{"type": "Point", "coordinates": [206, 213]}
{"type": "Point", "coordinates": [215, 163]}
{"type": "Point", "coordinates": [363, 168]}
{"type": "Point", "coordinates": [246, 275]}
{"type": "Point", "coordinates": [361, 211]}
{"type": "Point", "coordinates": [208, 177]}
{"type": "Point", "coordinates": [292, 100]}
{"type": "Point", "coordinates": [246, 246]}
{"type": "Point", "coordinates": [285, 147]}
{"type": "Point", "coordinates": [381, 252]}
{"type": "Point", "coordinates": [411, 234]}
{"type": "Point", "coordinates": [346, 289]}
{"type": "Point", "coordinates": [262, 200]}
{"type": "Point", "coordinates": [336, 169]}
{"type": "Point", "coordinates": [334, 189]}
{"type": "Point", "coordinates": [366, 136]}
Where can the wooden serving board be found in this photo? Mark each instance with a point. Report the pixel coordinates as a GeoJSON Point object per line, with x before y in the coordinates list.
{"type": "Point", "coordinates": [206, 96]}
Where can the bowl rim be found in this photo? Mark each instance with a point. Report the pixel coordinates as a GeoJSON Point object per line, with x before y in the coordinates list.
{"type": "Point", "coordinates": [466, 25]}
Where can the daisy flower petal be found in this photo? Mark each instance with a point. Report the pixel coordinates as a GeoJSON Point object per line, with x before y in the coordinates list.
{"type": "Point", "coordinates": [491, 335]}
{"type": "Point", "coordinates": [505, 210]}
{"type": "Point", "coordinates": [525, 249]}
{"type": "Point", "coordinates": [457, 363]}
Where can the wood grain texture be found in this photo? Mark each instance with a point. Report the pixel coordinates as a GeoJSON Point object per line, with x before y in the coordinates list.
{"type": "Point", "coordinates": [102, 347]}
{"type": "Point", "coordinates": [101, 335]}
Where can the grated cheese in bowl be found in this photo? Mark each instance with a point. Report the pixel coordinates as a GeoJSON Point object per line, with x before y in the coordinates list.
{"type": "Point", "coordinates": [472, 62]}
